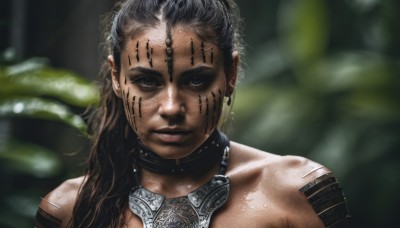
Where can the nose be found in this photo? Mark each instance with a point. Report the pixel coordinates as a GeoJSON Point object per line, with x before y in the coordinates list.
{"type": "Point", "coordinates": [172, 105]}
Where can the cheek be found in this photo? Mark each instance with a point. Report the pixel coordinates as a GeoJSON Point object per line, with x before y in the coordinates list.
{"type": "Point", "coordinates": [133, 107]}
{"type": "Point", "coordinates": [210, 108]}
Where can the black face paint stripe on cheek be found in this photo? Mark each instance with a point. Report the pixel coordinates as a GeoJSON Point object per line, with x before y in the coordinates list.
{"type": "Point", "coordinates": [220, 100]}
{"type": "Point", "coordinates": [212, 56]}
{"type": "Point", "coordinates": [137, 51]}
{"type": "Point", "coordinates": [214, 109]}
{"type": "Point", "coordinates": [129, 60]}
{"type": "Point", "coordinates": [200, 104]}
{"type": "Point", "coordinates": [126, 108]}
{"type": "Point", "coordinates": [140, 107]}
{"type": "Point", "coordinates": [126, 99]}
{"type": "Point", "coordinates": [207, 111]}
{"type": "Point", "coordinates": [133, 112]}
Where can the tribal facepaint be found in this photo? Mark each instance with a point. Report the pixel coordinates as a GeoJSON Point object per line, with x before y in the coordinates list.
{"type": "Point", "coordinates": [140, 107]}
{"type": "Point", "coordinates": [214, 109]}
{"type": "Point", "coordinates": [207, 112]}
{"type": "Point", "coordinates": [151, 59]}
{"type": "Point", "coordinates": [200, 104]}
{"type": "Point", "coordinates": [169, 52]}
{"type": "Point", "coordinates": [125, 100]}
{"type": "Point", "coordinates": [220, 102]}
{"type": "Point", "coordinates": [133, 112]}
{"type": "Point", "coordinates": [192, 51]}
{"type": "Point", "coordinates": [130, 111]}
{"type": "Point", "coordinates": [149, 52]}
{"type": "Point", "coordinates": [203, 52]}
{"type": "Point", "coordinates": [137, 51]}
{"type": "Point", "coordinates": [212, 56]}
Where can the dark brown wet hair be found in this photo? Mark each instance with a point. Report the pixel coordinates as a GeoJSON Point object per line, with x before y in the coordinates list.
{"type": "Point", "coordinates": [103, 197]}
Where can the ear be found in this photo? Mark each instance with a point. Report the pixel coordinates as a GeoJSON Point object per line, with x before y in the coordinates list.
{"type": "Point", "coordinates": [114, 76]}
{"type": "Point", "coordinates": [232, 74]}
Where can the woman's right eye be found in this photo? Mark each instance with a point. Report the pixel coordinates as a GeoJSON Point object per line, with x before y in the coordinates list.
{"type": "Point", "coordinates": [146, 81]}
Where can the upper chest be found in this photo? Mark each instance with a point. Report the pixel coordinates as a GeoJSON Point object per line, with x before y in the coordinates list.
{"type": "Point", "coordinates": [237, 216]}
{"type": "Point", "coordinates": [246, 207]}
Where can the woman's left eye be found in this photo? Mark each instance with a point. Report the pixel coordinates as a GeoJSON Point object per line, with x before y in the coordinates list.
{"type": "Point", "coordinates": [196, 81]}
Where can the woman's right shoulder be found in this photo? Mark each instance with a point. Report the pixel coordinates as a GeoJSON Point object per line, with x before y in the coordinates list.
{"type": "Point", "coordinates": [55, 209]}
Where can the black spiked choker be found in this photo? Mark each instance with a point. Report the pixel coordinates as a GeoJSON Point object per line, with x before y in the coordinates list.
{"type": "Point", "coordinates": [203, 158]}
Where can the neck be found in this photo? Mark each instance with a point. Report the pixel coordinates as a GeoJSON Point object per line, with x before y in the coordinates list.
{"type": "Point", "coordinates": [174, 186]}
{"type": "Point", "coordinates": [202, 159]}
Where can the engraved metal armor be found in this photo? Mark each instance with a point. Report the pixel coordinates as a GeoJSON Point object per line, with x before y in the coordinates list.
{"type": "Point", "coordinates": [193, 210]}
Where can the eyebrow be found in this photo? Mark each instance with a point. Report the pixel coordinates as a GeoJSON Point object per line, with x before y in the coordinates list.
{"type": "Point", "coordinates": [197, 70]}
{"type": "Point", "coordinates": [145, 71]}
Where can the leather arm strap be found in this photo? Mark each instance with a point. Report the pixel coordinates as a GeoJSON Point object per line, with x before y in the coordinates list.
{"type": "Point", "coordinates": [326, 197]}
{"type": "Point", "coordinates": [46, 220]}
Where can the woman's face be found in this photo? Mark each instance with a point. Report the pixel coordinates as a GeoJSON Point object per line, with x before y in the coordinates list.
{"type": "Point", "coordinates": [172, 89]}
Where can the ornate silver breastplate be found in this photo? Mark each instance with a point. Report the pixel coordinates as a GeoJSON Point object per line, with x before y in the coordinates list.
{"type": "Point", "coordinates": [193, 210]}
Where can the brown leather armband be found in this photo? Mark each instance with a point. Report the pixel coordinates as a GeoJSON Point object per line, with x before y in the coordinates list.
{"type": "Point", "coordinates": [326, 197]}
{"type": "Point", "coordinates": [46, 220]}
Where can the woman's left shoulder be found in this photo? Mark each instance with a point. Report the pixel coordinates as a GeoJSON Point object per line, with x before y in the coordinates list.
{"type": "Point", "coordinates": [295, 171]}
{"type": "Point", "coordinates": [306, 189]}
{"type": "Point", "coordinates": [299, 171]}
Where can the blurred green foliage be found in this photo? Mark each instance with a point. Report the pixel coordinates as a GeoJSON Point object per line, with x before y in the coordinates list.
{"type": "Point", "coordinates": [33, 90]}
{"type": "Point", "coordinates": [324, 84]}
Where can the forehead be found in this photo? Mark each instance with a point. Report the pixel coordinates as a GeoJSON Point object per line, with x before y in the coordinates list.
{"type": "Point", "coordinates": [181, 35]}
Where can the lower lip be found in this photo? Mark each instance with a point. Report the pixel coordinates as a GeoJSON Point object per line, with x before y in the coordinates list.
{"type": "Point", "coordinates": [171, 138]}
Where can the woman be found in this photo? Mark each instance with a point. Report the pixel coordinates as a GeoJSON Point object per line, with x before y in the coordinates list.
{"type": "Point", "coordinates": [158, 159]}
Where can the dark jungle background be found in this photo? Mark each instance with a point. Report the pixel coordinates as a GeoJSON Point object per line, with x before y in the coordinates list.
{"type": "Point", "coordinates": [322, 81]}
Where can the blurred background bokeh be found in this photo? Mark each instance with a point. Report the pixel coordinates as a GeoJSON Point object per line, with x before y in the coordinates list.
{"type": "Point", "coordinates": [321, 81]}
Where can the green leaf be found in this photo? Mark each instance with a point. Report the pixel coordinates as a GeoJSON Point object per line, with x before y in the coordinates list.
{"type": "Point", "coordinates": [30, 159]}
{"type": "Point", "coordinates": [35, 79]}
{"type": "Point", "coordinates": [41, 109]}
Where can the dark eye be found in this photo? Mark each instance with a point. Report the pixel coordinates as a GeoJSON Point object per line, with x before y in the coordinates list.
{"type": "Point", "coordinates": [146, 81]}
{"type": "Point", "coordinates": [196, 81]}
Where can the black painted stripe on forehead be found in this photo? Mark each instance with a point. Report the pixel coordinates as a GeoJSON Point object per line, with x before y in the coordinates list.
{"type": "Point", "coordinates": [192, 51]}
{"type": "Point", "coordinates": [169, 51]}
{"type": "Point", "coordinates": [137, 52]}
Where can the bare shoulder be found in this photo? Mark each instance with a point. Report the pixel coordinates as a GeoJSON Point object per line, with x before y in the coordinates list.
{"type": "Point", "coordinates": [306, 192]}
{"type": "Point", "coordinates": [287, 172]}
{"type": "Point", "coordinates": [56, 207]}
